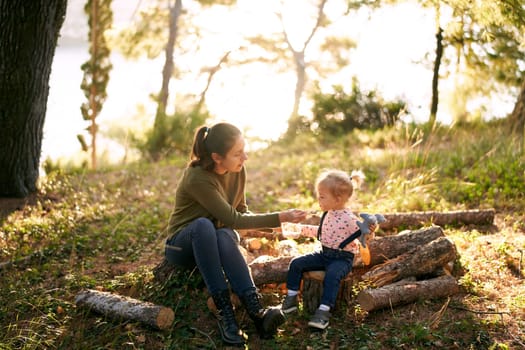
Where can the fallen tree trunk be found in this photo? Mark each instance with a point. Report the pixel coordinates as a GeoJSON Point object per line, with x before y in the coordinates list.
{"type": "Point", "coordinates": [421, 261]}
{"type": "Point", "coordinates": [407, 292]}
{"type": "Point", "coordinates": [452, 218]}
{"type": "Point", "coordinates": [118, 306]}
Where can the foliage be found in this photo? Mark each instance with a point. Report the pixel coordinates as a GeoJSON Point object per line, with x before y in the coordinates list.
{"type": "Point", "coordinates": [340, 112]}
{"type": "Point", "coordinates": [488, 58]}
{"type": "Point", "coordinates": [106, 230]}
{"type": "Point", "coordinates": [173, 137]}
{"type": "Point", "coordinates": [96, 69]}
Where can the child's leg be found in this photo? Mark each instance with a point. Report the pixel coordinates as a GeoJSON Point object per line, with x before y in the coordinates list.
{"type": "Point", "coordinates": [298, 265]}
{"type": "Point", "coordinates": [336, 270]}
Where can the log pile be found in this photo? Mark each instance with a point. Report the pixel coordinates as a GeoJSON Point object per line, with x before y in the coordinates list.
{"type": "Point", "coordinates": [405, 267]}
{"type": "Point", "coordinates": [413, 256]}
{"type": "Point", "coordinates": [413, 260]}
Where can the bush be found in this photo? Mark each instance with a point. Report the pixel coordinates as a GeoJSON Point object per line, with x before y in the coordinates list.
{"type": "Point", "coordinates": [338, 112]}
{"type": "Point", "coordinates": [173, 135]}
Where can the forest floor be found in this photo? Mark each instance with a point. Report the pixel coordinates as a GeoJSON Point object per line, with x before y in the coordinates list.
{"type": "Point", "coordinates": [106, 230]}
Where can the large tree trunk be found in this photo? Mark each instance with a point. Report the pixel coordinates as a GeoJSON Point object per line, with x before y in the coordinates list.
{"type": "Point", "coordinates": [28, 38]}
{"type": "Point", "coordinates": [118, 306]}
{"type": "Point", "coordinates": [407, 292]}
{"type": "Point", "coordinates": [159, 125]}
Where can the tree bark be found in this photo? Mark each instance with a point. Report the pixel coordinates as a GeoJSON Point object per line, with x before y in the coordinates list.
{"type": "Point", "coordinates": [407, 292]}
{"type": "Point", "coordinates": [267, 269]}
{"type": "Point", "coordinates": [117, 306]}
{"type": "Point", "coordinates": [460, 217]}
{"type": "Point", "coordinates": [384, 248]}
{"type": "Point", "coordinates": [423, 260]}
{"type": "Point", "coordinates": [27, 46]}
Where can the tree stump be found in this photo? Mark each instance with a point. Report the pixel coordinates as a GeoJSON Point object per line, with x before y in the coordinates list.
{"type": "Point", "coordinates": [312, 288]}
{"type": "Point", "coordinates": [118, 306]}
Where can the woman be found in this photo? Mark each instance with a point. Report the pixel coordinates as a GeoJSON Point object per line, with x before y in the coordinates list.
{"type": "Point", "coordinates": [209, 204]}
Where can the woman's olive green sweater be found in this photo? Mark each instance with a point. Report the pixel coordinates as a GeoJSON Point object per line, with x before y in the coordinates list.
{"type": "Point", "coordinates": [221, 198]}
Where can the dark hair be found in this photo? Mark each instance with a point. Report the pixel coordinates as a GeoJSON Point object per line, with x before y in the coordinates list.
{"type": "Point", "coordinates": [219, 139]}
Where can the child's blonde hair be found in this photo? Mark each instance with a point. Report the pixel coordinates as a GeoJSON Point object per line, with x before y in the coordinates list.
{"type": "Point", "coordinates": [339, 183]}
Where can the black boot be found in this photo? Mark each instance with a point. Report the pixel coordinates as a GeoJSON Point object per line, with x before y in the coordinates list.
{"type": "Point", "coordinates": [266, 320]}
{"type": "Point", "coordinates": [230, 332]}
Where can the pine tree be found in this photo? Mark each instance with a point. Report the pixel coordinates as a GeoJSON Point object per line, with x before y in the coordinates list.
{"type": "Point", "coordinates": [96, 69]}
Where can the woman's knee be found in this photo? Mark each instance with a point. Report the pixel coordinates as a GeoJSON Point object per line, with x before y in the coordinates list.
{"type": "Point", "coordinates": [203, 226]}
{"type": "Point", "coordinates": [228, 234]}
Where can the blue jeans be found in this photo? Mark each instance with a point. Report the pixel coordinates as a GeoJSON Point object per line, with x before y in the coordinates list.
{"type": "Point", "coordinates": [335, 268]}
{"type": "Point", "coordinates": [216, 254]}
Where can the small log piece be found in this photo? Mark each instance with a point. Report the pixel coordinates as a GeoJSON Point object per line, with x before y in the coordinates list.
{"type": "Point", "coordinates": [118, 306]}
{"type": "Point", "coordinates": [407, 292]}
{"type": "Point", "coordinates": [423, 260]}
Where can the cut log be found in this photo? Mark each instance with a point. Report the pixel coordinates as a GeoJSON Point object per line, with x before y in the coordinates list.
{"type": "Point", "coordinates": [118, 306]}
{"type": "Point", "coordinates": [452, 218]}
{"type": "Point", "coordinates": [421, 261]}
{"type": "Point", "coordinates": [384, 248]}
{"type": "Point", "coordinates": [407, 292]}
{"type": "Point", "coordinates": [267, 269]}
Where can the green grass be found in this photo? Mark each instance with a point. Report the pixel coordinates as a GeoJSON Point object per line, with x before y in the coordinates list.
{"type": "Point", "coordinates": [106, 230]}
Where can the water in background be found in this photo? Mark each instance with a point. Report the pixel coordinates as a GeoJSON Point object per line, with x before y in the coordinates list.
{"type": "Point", "coordinates": [130, 85]}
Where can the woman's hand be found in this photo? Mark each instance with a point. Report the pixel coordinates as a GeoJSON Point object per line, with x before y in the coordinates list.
{"type": "Point", "coordinates": [292, 215]}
